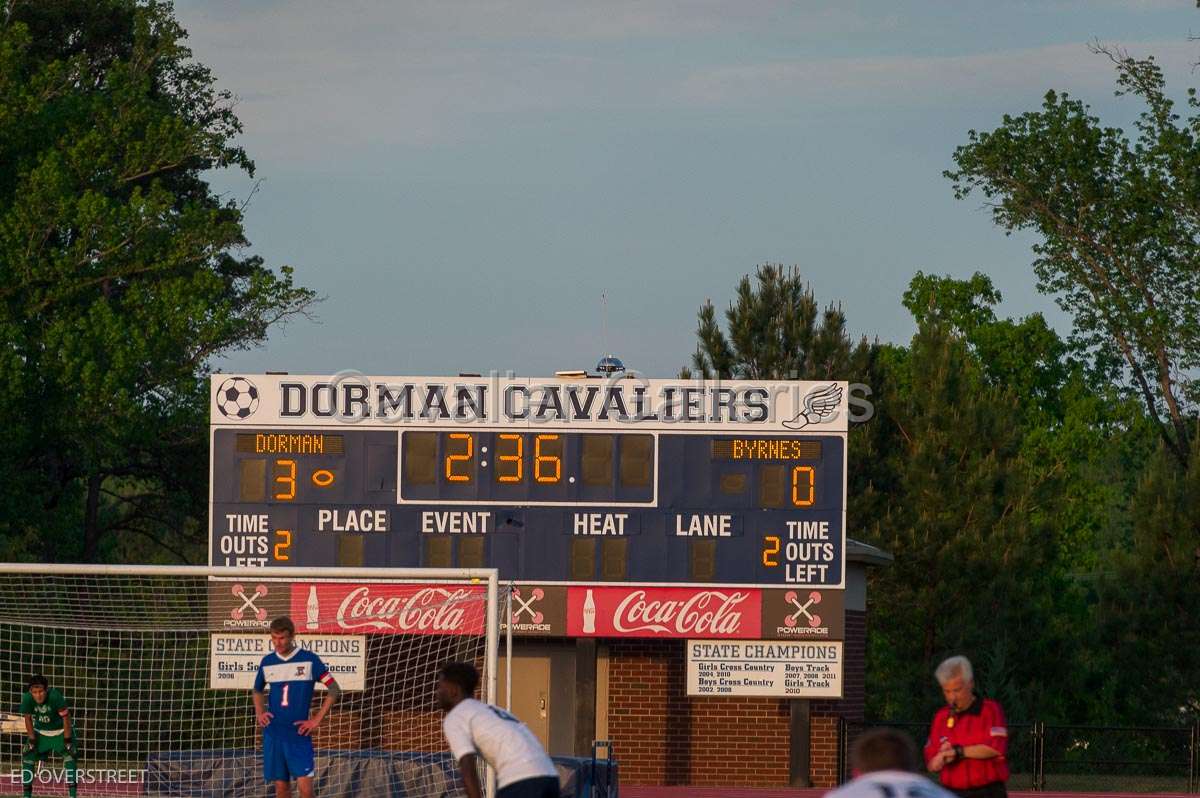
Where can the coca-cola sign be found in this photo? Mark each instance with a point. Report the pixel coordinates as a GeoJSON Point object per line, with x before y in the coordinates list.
{"type": "Point", "coordinates": [375, 608]}
{"type": "Point", "coordinates": [715, 612]}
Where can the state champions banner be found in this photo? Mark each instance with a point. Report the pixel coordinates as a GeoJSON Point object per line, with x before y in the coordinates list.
{"type": "Point", "coordinates": [234, 658]}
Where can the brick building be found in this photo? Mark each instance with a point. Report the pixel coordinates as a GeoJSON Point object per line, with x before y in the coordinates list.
{"type": "Point", "coordinates": [632, 691]}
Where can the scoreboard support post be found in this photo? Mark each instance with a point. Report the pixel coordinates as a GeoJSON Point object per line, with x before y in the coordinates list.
{"type": "Point", "coordinates": [585, 695]}
{"type": "Point", "coordinates": [800, 746]}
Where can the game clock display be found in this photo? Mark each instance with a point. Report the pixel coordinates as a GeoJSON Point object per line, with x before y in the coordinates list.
{"type": "Point", "coordinates": [716, 502]}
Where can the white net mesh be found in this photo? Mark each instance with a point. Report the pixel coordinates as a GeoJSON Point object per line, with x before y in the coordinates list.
{"type": "Point", "coordinates": [157, 671]}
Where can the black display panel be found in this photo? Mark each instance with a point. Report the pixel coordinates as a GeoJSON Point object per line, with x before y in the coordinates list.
{"type": "Point", "coordinates": [547, 506]}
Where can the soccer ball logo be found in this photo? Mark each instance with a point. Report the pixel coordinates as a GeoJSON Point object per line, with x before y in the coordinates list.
{"type": "Point", "coordinates": [237, 398]}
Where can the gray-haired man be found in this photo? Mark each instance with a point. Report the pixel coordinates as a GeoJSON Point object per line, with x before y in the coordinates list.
{"type": "Point", "coordinates": [968, 739]}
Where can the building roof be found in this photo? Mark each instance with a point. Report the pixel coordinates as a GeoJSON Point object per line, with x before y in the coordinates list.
{"type": "Point", "coordinates": [867, 554]}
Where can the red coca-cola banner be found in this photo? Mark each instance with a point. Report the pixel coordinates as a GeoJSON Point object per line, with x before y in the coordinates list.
{"type": "Point", "coordinates": [711, 613]}
{"type": "Point", "coordinates": [373, 608]}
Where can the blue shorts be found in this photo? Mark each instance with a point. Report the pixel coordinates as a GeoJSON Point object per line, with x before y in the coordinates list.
{"type": "Point", "coordinates": [287, 755]}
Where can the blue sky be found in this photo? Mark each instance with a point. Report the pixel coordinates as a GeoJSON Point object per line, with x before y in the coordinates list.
{"type": "Point", "coordinates": [462, 180]}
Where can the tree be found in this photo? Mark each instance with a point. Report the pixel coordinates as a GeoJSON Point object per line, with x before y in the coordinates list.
{"type": "Point", "coordinates": [1083, 447]}
{"type": "Point", "coordinates": [1146, 634]}
{"type": "Point", "coordinates": [121, 276]}
{"type": "Point", "coordinates": [777, 332]}
{"type": "Point", "coordinates": [1119, 227]}
{"type": "Point", "coordinates": [1026, 355]}
{"type": "Point", "coordinates": [955, 502]}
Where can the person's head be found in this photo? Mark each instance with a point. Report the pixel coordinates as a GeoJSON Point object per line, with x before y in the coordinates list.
{"type": "Point", "coordinates": [38, 687]}
{"type": "Point", "coordinates": [883, 749]}
{"type": "Point", "coordinates": [456, 681]}
{"type": "Point", "coordinates": [282, 632]}
{"type": "Point", "coordinates": [958, 682]}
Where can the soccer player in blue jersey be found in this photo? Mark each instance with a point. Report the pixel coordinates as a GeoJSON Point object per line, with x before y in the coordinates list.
{"type": "Point", "coordinates": [291, 674]}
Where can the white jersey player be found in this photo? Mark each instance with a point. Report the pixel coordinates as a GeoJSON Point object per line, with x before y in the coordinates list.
{"type": "Point", "coordinates": [473, 728]}
{"type": "Point", "coordinates": [884, 763]}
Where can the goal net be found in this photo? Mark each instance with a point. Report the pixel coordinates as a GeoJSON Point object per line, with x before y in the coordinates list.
{"type": "Point", "coordinates": [157, 665]}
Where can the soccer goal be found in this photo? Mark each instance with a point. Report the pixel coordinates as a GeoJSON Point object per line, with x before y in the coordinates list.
{"type": "Point", "coordinates": [157, 663]}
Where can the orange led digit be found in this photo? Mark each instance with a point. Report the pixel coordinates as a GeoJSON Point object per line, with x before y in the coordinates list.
{"type": "Point", "coordinates": [771, 546]}
{"type": "Point", "coordinates": [539, 459]}
{"type": "Point", "coordinates": [469, 452]}
{"type": "Point", "coordinates": [285, 543]}
{"type": "Point", "coordinates": [514, 458]}
{"type": "Point", "coordinates": [803, 486]}
{"type": "Point", "coordinates": [322, 477]}
{"type": "Point", "coordinates": [289, 479]}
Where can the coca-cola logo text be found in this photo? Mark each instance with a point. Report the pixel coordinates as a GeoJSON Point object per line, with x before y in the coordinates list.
{"type": "Point", "coordinates": [430, 609]}
{"type": "Point", "coordinates": [391, 608]}
{"type": "Point", "coordinates": [711, 612]}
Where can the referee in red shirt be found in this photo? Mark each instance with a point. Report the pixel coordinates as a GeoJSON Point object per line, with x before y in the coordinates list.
{"type": "Point", "coordinates": [968, 740]}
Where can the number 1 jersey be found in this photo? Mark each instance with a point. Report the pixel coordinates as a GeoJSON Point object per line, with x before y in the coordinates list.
{"type": "Point", "coordinates": [291, 680]}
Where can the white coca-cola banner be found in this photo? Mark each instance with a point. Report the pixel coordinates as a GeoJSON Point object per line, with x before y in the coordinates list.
{"type": "Point", "coordinates": [378, 608]}
{"type": "Point", "coordinates": [714, 612]}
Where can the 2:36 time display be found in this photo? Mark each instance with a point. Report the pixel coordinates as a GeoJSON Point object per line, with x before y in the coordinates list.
{"type": "Point", "coordinates": [527, 467]}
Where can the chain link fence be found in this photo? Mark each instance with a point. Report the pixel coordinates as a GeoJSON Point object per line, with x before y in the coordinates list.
{"type": "Point", "coordinates": [1144, 759]}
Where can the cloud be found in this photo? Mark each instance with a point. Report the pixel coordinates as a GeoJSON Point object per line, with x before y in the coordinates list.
{"type": "Point", "coordinates": [374, 21]}
{"type": "Point", "coordinates": [1118, 5]}
{"type": "Point", "coordinates": [923, 81]}
{"type": "Point", "coordinates": [355, 79]}
{"type": "Point", "coordinates": [312, 77]}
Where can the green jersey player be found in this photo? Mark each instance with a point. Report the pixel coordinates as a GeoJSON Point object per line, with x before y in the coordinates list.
{"type": "Point", "coordinates": [48, 731]}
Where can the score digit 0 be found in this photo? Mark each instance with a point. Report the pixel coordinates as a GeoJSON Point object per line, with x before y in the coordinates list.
{"type": "Point", "coordinates": [803, 486]}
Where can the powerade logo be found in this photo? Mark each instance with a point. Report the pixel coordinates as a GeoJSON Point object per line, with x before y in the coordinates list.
{"type": "Point", "coordinates": [804, 621]}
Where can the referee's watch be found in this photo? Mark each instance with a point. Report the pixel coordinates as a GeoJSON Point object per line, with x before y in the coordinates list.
{"type": "Point", "coordinates": [958, 752]}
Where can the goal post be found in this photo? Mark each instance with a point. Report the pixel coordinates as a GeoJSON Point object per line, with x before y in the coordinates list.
{"type": "Point", "coordinates": [157, 663]}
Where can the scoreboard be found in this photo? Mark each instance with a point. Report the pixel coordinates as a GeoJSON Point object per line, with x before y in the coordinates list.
{"type": "Point", "coordinates": [548, 480]}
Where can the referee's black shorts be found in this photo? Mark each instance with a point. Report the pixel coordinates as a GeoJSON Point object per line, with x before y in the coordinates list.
{"type": "Point", "coordinates": [994, 790]}
{"type": "Point", "coordinates": [541, 787]}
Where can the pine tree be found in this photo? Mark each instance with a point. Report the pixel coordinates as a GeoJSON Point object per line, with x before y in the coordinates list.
{"type": "Point", "coordinates": [953, 502]}
{"type": "Point", "coordinates": [776, 331]}
{"type": "Point", "coordinates": [1146, 666]}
